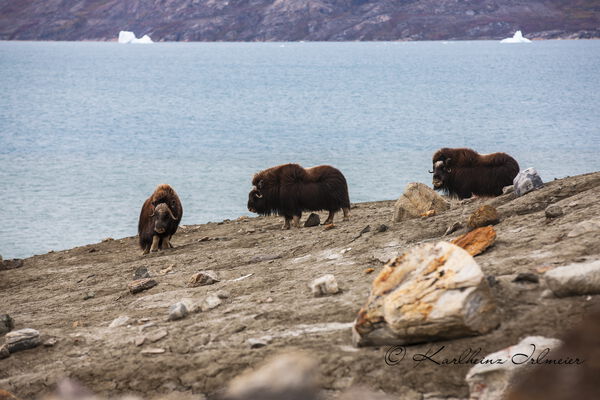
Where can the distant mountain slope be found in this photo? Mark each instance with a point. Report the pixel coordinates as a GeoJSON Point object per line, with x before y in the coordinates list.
{"type": "Point", "coordinates": [284, 20]}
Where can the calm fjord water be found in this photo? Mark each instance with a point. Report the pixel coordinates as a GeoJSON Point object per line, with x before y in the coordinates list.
{"type": "Point", "coordinates": [87, 130]}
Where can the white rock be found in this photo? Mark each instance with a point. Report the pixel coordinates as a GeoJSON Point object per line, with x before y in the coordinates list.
{"type": "Point", "coordinates": [489, 381]}
{"type": "Point", "coordinates": [574, 279]}
{"type": "Point", "coordinates": [324, 285]}
{"type": "Point", "coordinates": [591, 227]}
{"type": "Point", "coordinates": [434, 291]}
{"type": "Point", "coordinates": [211, 301]}
{"type": "Point", "coordinates": [517, 38]}
{"type": "Point", "coordinates": [119, 321]}
{"type": "Point", "coordinates": [417, 200]}
{"type": "Point", "coordinates": [526, 181]}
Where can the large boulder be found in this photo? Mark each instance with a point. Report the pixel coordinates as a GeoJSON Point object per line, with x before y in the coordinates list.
{"type": "Point", "coordinates": [418, 200]}
{"type": "Point", "coordinates": [434, 291]}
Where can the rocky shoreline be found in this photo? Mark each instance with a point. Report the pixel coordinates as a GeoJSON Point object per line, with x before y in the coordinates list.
{"type": "Point", "coordinates": [187, 322]}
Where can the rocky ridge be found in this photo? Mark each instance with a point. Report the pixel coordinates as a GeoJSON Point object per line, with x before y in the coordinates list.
{"type": "Point", "coordinates": [291, 20]}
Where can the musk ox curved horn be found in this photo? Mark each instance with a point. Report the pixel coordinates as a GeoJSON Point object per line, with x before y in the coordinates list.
{"type": "Point", "coordinates": [171, 214]}
{"type": "Point", "coordinates": [431, 172]}
{"type": "Point", "coordinates": [258, 195]}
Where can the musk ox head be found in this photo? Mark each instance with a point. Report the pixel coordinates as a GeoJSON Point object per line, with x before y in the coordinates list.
{"type": "Point", "coordinates": [163, 217]}
{"type": "Point", "coordinates": [256, 201]}
{"type": "Point", "coordinates": [441, 173]}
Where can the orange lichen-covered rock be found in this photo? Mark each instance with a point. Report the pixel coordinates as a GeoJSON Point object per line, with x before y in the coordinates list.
{"type": "Point", "coordinates": [476, 241]}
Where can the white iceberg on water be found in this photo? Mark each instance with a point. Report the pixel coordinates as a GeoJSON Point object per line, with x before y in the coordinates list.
{"type": "Point", "coordinates": [129, 37]}
{"type": "Point", "coordinates": [517, 38]}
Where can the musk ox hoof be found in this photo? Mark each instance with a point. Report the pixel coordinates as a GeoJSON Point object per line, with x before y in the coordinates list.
{"type": "Point", "coordinates": [285, 227]}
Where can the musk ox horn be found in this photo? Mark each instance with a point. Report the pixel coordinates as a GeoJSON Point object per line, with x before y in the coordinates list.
{"type": "Point", "coordinates": [438, 164]}
{"type": "Point", "coordinates": [171, 214]}
{"type": "Point", "coordinates": [431, 172]}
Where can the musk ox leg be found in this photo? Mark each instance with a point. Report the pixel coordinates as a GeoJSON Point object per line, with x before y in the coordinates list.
{"type": "Point", "coordinates": [146, 250]}
{"type": "Point", "coordinates": [155, 242]}
{"type": "Point", "coordinates": [329, 219]}
{"type": "Point", "coordinates": [296, 221]}
{"type": "Point", "coordinates": [286, 223]}
{"type": "Point", "coordinates": [166, 244]}
{"type": "Point", "coordinates": [346, 213]}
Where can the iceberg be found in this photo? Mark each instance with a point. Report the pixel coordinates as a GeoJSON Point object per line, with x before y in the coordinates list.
{"type": "Point", "coordinates": [129, 37]}
{"type": "Point", "coordinates": [517, 38]}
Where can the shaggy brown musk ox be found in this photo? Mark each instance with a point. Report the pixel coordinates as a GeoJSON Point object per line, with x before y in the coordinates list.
{"type": "Point", "coordinates": [289, 189]}
{"type": "Point", "coordinates": [159, 219]}
{"type": "Point", "coordinates": [463, 172]}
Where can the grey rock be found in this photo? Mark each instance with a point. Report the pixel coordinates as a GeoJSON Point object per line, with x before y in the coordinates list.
{"type": "Point", "coordinates": [177, 311]}
{"type": "Point", "coordinates": [324, 285]}
{"type": "Point", "coordinates": [574, 279]}
{"type": "Point", "coordinates": [141, 273]}
{"type": "Point", "coordinates": [264, 257]}
{"type": "Point", "coordinates": [258, 343]}
{"type": "Point", "coordinates": [89, 295]}
{"type": "Point", "coordinates": [453, 228]}
{"type": "Point", "coordinates": [6, 324]}
{"type": "Point", "coordinates": [156, 336]}
{"type": "Point", "coordinates": [312, 220]}
{"type": "Point", "coordinates": [553, 211]}
{"type": "Point", "coordinates": [526, 181]}
{"type": "Point", "coordinates": [223, 294]}
{"type": "Point", "coordinates": [211, 301]}
{"type": "Point", "coordinates": [22, 339]}
{"type": "Point", "coordinates": [508, 189]}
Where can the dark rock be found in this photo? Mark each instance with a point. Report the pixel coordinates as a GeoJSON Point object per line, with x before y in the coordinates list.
{"type": "Point", "coordinates": [381, 228]}
{"type": "Point", "coordinates": [6, 324]}
{"type": "Point", "coordinates": [141, 273]}
{"type": "Point", "coordinates": [11, 264]}
{"type": "Point", "coordinates": [141, 285]}
{"type": "Point", "coordinates": [553, 211]}
{"type": "Point", "coordinates": [22, 339]}
{"type": "Point", "coordinates": [526, 277]}
{"type": "Point", "coordinates": [264, 257]}
{"type": "Point", "coordinates": [312, 220]}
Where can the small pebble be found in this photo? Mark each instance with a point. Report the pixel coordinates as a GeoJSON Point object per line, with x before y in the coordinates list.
{"type": "Point", "coordinates": [177, 311]}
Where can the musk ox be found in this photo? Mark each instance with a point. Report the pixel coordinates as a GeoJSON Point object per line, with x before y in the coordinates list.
{"type": "Point", "coordinates": [159, 219]}
{"type": "Point", "coordinates": [289, 189]}
{"type": "Point", "coordinates": [464, 172]}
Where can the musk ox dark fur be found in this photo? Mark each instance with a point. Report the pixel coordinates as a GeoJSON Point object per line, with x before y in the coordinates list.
{"type": "Point", "coordinates": [289, 189]}
{"type": "Point", "coordinates": [159, 219]}
{"type": "Point", "coordinates": [463, 172]}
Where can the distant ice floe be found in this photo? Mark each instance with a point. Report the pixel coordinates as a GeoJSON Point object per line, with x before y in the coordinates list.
{"type": "Point", "coordinates": [517, 38]}
{"type": "Point", "coordinates": [129, 37]}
